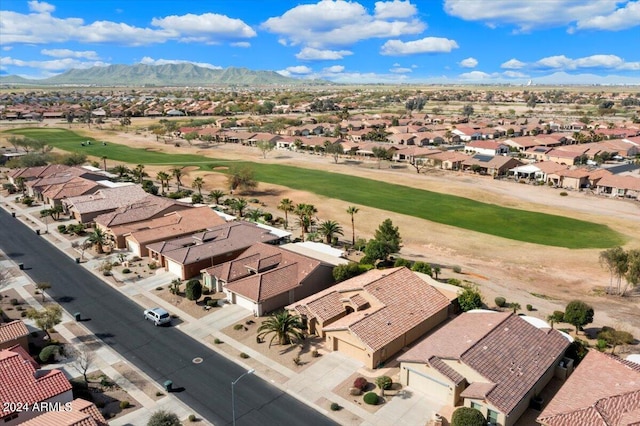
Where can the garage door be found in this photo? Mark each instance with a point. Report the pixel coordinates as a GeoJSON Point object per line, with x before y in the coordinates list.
{"type": "Point", "coordinates": [245, 303]}
{"type": "Point", "coordinates": [429, 386]}
{"type": "Point", "coordinates": [350, 350]}
{"type": "Point", "coordinates": [175, 268]}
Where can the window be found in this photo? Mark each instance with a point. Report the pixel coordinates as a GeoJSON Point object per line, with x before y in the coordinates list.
{"type": "Point", "coordinates": [492, 417]}
{"type": "Point", "coordinates": [476, 406]}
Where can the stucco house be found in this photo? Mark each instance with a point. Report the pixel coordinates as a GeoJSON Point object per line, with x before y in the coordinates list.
{"type": "Point", "coordinates": [265, 277]}
{"type": "Point", "coordinates": [495, 362]}
{"type": "Point", "coordinates": [373, 316]}
{"type": "Point", "coordinates": [86, 208]}
{"type": "Point", "coordinates": [14, 333]}
{"type": "Point", "coordinates": [604, 390]}
{"type": "Point", "coordinates": [487, 147]}
{"type": "Point", "coordinates": [619, 186]}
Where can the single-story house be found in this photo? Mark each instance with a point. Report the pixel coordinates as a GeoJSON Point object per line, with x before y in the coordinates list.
{"type": "Point", "coordinates": [496, 362]}
{"type": "Point", "coordinates": [604, 390]}
{"type": "Point", "coordinates": [80, 413]}
{"type": "Point", "coordinates": [265, 277]}
{"type": "Point", "coordinates": [619, 186]}
{"type": "Point", "coordinates": [187, 256]}
{"type": "Point", "coordinates": [85, 208]}
{"type": "Point", "coordinates": [14, 333]}
{"type": "Point", "coordinates": [487, 147]}
{"type": "Point", "coordinates": [571, 179]}
{"type": "Point", "coordinates": [137, 236]}
{"type": "Point", "coordinates": [373, 316]}
{"type": "Point", "coordinates": [494, 166]}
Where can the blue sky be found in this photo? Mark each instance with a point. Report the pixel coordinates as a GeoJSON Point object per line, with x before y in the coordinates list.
{"type": "Point", "coordinates": [412, 41]}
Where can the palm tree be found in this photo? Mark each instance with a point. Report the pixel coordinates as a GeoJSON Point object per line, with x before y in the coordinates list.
{"type": "Point", "coordinates": [121, 170]}
{"type": "Point", "coordinates": [163, 177]}
{"type": "Point", "coordinates": [286, 205]}
{"type": "Point", "coordinates": [139, 173]}
{"type": "Point", "coordinates": [98, 238]}
{"type": "Point", "coordinates": [104, 162]}
{"type": "Point", "coordinates": [198, 183]}
{"type": "Point", "coordinates": [436, 271]}
{"type": "Point", "coordinates": [239, 204]}
{"type": "Point", "coordinates": [285, 327]}
{"type": "Point", "coordinates": [329, 228]}
{"type": "Point", "coordinates": [176, 172]}
{"type": "Point", "coordinates": [216, 194]}
{"type": "Point", "coordinates": [305, 214]}
{"type": "Point", "coordinates": [254, 215]}
{"type": "Point", "coordinates": [352, 210]}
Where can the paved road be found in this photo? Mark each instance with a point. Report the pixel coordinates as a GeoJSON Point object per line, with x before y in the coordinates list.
{"type": "Point", "coordinates": [164, 353]}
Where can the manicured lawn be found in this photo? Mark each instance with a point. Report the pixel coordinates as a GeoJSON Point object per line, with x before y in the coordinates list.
{"type": "Point", "coordinates": [520, 225]}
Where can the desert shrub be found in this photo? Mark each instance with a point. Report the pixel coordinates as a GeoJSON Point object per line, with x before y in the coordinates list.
{"type": "Point", "coordinates": [422, 267]}
{"type": "Point", "coordinates": [217, 341]}
{"type": "Point", "coordinates": [360, 383]}
{"type": "Point", "coordinates": [601, 345]}
{"type": "Point", "coordinates": [454, 281]}
{"type": "Point", "coordinates": [126, 271]}
{"type": "Point", "coordinates": [457, 269]}
{"type": "Point", "coordinates": [529, 308]}
{"type": "Point", "coordinates": [48, 353]}
{"type": "Point", "coordinates": [244, 355]}
{"type": "Point", "coordinates": [370, 398]}
{"type": "Point", "coordinates": [315, 354]}
{"type": "Point", "coordinates": [14, 302]}
{"type": "Point", "coordinates": [557, 316]}
{"type": "Point", "coordinates": [564, 194]}
{"type": "Point", "coordinates": [335, 406]}
{"type": "Point", "coordinates": [158, 288]}
{"type": "Point", "coordinates": [62, 229]}
{"type": "Point", "coordinates": [501, 302]}
{"type": "Point", "coordinates": [297, 361]}
{"type": "Point", "coordinates": [402, 262]}
{"type": "Point", "coordinates": [192, 417]}
{"type": "Point", "coordinates": [152, 266]}
{"type": "Point", "coordinates": [268, 217]}
{"type": "Point", "coordinates": [158, 393]}
{"type": "Point", "coordinates": [238, 327]}
{"type": "Point", "coordinates": [384, 382]}
{"type": "Point", "coordinates": [467, 416]}
{"type": "Point", "coordinates": [124, 404]}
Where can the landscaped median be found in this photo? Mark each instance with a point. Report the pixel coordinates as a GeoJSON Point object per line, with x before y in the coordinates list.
{"type": "Point", "coordinates": [520, 225]}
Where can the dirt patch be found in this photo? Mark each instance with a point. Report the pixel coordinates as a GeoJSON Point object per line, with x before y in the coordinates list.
{"type": "Point", "coordinates": [196, 310]}
{"type": "Point", "coordinates": [296, 357]}
{"type": "Point", "coordinates": [111, 399]}
{"type": "Point", "coordinates": [149, 388]}
{"type": "Point", "coordinates": [344, 416]}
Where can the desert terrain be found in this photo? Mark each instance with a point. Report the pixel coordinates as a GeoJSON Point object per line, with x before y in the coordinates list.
{"type": "Point", "coordinates": [543, 276]}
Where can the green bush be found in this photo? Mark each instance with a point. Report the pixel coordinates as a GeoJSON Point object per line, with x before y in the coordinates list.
{"type": "Point", "coordinates": [501, 302]}
{"type": "Point", "coordinates": [601, 345]}
{"type": "Point", "coordinates": [192, 418]}
{"type": "Point", "coordinates": [124, 404]}
{"type": "Point", "coordinates": [244, 355]}
{"type": "Point", "coordinates": [48, 353]}
{"type": "Point", "coordinates": [454, 281]}
{"type": "Point", "coordinates": [402, 262]}
{"type": "Point", "coordinates": [370, 398]}
{"type": "Point", "coordinates": [422, 267]}
{"type": "Point", "coordinates": [467, 416]}
{"type": "Point", "coordinates": [564, 194]}
{"type": "Point", "coordinates": [126, 271]}
{"type": "Point", "coordinates": [238, 327]}
{"type": "Point", "coordinates": [62, 229]}
{"type": "Point", "coordinates": [217, 341]}
{"type": "Point", "coordinates": [529, 308]}
{"type": "Point", "coordinates": [384, 382]}
{"type": "Point", "coordinates": [268, 217]}
{"type": "Point", "coordinates": [212, 302]}
{"type": "Point", "coordinates": [14, 302]}
{"type": "Point", "coordinates": [335, 406]}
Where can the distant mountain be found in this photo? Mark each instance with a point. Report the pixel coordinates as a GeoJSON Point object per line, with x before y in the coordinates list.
{"type": "Point", "coordinates": [139, 75]}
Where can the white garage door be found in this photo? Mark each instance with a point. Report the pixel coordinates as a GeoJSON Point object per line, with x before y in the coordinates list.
{"type": "Point", "coordinates": [427, 385]}
{"type": "Point", "coordinates": [245, 303]}
{"type": "Point", "coordinates": [175, 268]}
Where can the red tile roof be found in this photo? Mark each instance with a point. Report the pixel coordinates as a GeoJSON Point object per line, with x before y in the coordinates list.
{"type": "Point", "coordinates": [12, 330]}
{"type": "Point", "coordinates": [603, 390]}
{"type": "Point", "coordinates": [82, 413]}
{"type": "Point", "coordinates": [21, 382]}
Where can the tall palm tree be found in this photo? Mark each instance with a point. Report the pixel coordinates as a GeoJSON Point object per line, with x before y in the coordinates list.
{"type": "Point", "coordinates": [176, 172]}
{"type": "Point", "coordinates": [285, 327]}
{"type": "Point", "coordinates": [139, 173]}
{"type": "Point", "coordinates": [352, 210]}
{"type": "Point", "coordinates": [286, 205]}
{"type": "Point", "coordinates": [216, 194]}
{"type": "Point", "coordinates": [163, 177]}
{"type": "Point", "coordinates": [254, 215]}
{"type": "Point", "coordinates": [239, 204]}
{"type": "Point", "coordinates": [305, 214]}
{"type": "Point", "coordinates": [329, 228]}
{"type": "Point", "coordinates": [104, 162]}
{"type": "Point", "coordinates": [98, 239]}
{"type": "Point", "coordinates": [198, 183]}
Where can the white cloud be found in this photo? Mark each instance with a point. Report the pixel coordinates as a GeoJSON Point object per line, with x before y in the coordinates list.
{"type": "Point", "coordinates": [561, 62]}
{"type": "Point", "coordinates": [67, 53]}
{"type": "Point", "coordinates": [340, 23]}
{"type": "Point", "coordinates": [333, 69]}
{"type": "Point", "coordinates": [513, 64]}
{"type": "Point", "coordinates": [394, 9]}
{"type": "Point", "coordinates": [40, 27]}
{"type": "Point", "coordinates": [529, 15]}
{"type": "Point", "coordinates": [299, 70]}
{"type": "Point", "coordinates": [476, 75]}
{"type": "Point", "coordinates": [311, 54]}
{"type": "Point", "coordinates": [469, 63]}
{"type": "Point", "coordinates": [425, 45]}
{"type": "Point", "coordinates": [626, 17]}
{"type": "Point", "coordinates": [400, 70]}
{"type": "Point", "coordinates": [514, 74]}
{"type": "Point", "coordinates": [243, 44]}
{"type": "Point", "coordinates": [150, 61]}
{"type": "Point", "coordinates": [56, 65]}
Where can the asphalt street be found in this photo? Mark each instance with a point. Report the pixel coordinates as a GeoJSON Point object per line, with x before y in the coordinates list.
{"type": "Point", "coordinates": [163, 353]}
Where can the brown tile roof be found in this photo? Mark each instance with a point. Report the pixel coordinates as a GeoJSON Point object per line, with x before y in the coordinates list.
{"type": "Point", "coordinates": [82, 413]}
{"type": "Point", "coordinates": [171, 225]}
{"type": "Point", "coordinates": [477, 390]}
{"type": "Point", "coordinates": [502, 347]}
{"type": "Point", "coordinates": [216, 241]}
{"type": "Point", "coordinates": [107, 199]}
{"type": "Point", "coordinates": [36, 172]}
{"type": "Point", "coordinates": [603, 390]}
{"type": "Point", "coordinates": [447, 371]}
{"type": "Point", "coordinates": [400, 300]}
{"type": "Point", "coordinates": [72, 188]}
{"type": "Point", "coordinates": [21, 383]}
{"type": "Point", "coordinates": [147, 207]}
{"type": "Point", "coordinates": [12, 330]}
{"type": "Point", "coordinates": [263, 271]}
{"type": "Point", "coordinates": [621, 182]}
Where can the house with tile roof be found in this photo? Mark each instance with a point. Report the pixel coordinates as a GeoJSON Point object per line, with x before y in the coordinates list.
{"type": "Point", "coordinates": [495, 362]}
{"type": "Point", "coordinates": [619, 186]}
{"type": "Point", "coordinates": [14, 333]}
{"type": "Point", "coordinates": [486, 147]}
{"type": "Point", "coordinates": [498, 165]}
{"type": "Point", "coordinates": [22, 383]}
{"type": "Point", "coordinates": [76, 413]}
{"type": "Point", "coordinates": [86, 208]}
{"type": "Point", "coordinates": [373, 316]}
{"type": "Point", "coordinates": [187, 256]}
{"type": "Point", "coordinates": [137, 236]}
{"type": "Point", "coordinates": [575, 179]}
{"type": "Point", "coordinates": [264, 278]}
{"type": "Point", "coordinates": [604, 390]}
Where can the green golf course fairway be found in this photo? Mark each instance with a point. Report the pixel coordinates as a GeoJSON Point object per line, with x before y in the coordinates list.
{"type": "Point", "coordinates": [514, 224]}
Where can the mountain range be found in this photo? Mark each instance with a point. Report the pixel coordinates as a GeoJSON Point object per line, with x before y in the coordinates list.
{"type": "Point", "coordinates": [170, 75]}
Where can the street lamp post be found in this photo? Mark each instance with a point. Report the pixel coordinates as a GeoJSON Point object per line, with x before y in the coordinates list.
{"type": "Point", "coordinates": [233, 400]}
